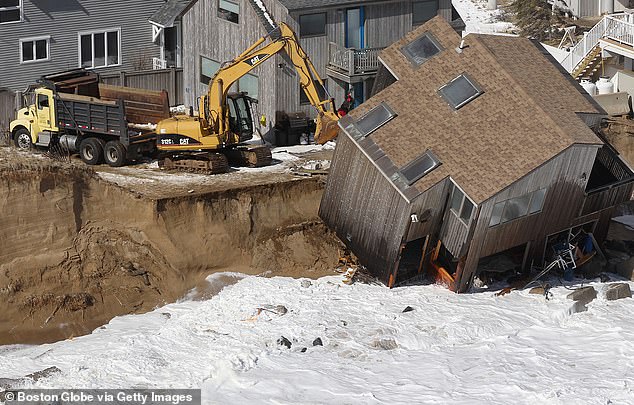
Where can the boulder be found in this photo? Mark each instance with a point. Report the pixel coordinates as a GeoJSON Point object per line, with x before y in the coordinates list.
{"type": "Point", "coordinates": [617, 291]}
{"type": "Point", "coordinates": [282, 341]}
{"type": "Point", "coordinates": [625, 269]}
{"type": "Point", "coordinates": [582, 296]}
{"type": "Point", "coordinates": [318, 342]}
{"type": "Point", "coordinates": [408, 309]}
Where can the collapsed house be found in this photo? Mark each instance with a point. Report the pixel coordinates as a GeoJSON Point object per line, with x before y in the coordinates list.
{"type": "Point", "coordinates": [468, 148]}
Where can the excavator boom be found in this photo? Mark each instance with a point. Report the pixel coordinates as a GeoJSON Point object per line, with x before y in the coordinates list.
{"type": "Point", "coordinates": [283, 39]}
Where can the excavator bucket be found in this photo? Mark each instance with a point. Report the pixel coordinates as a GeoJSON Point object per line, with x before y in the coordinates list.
{"type": "Point", "coordinates": [326, 129]}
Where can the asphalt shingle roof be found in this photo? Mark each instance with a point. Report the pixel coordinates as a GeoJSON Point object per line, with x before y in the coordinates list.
{"type": "Point", "coordinates": [171, 10]}
{"type": "Point", "coordinates": [525, 117]}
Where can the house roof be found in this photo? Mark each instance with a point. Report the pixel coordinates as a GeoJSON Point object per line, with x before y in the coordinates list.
{"type": "Point", "coordinates": [529, 112]}
{"type": "Point", "coordinates": [171, 10]}
{"type": "Point", "coordinates": [292, 5]}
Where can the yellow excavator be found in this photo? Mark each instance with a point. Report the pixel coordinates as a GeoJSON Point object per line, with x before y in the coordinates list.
{"type": "Point", "coordinates": [224, 120]}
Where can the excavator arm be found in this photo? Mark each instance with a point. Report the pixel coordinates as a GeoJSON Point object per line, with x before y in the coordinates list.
{"type": "Point", "coordinates": [283, 39]}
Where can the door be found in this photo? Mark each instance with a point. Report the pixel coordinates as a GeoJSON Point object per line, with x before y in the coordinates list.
{"type": "Point", "coordinates": [358, 94]}
{"type": "Point", "coordinates": [171, 46]}
{"type": "Point", "coordinates": [44, 101]}
{"type": "Point", "coordinates": [355, 20]}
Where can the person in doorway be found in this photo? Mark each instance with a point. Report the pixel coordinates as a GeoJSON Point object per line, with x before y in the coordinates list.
{"type": "Point", "coordinates": [346, 106]}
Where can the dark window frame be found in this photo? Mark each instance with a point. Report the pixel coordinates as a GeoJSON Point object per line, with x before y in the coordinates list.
{"type": "Point", "coordinates": [478, 89]}
{"type": "Point", "coordinates": [228, 15]}
{"type": "Point", "coordinates": [418, 60]}
{"type": "Point", "coordinates": [528, 213]}
{"type": "Point", "coordinates": [9, 9]}
{"type": "Point", "coordinates": [325, 31]}
{"type": "Point", "coordinates": [303, 97]}
{"type": "Point", "coordinates": [459, 213]}
{"type": "Point", "coordinates": [33, 41]}
{"type": "Point", "coordinates": [413, 179]}
{"type": "Point", "coordinates": [383, 105]}
{"type": "Point", "coordinates": [420, 22]}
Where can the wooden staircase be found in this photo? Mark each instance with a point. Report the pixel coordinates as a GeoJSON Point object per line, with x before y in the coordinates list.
{"type": "Point", "coordinates": [589, 65]}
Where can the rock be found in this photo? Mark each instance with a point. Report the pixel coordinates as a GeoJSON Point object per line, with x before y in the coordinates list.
{"type": "Point", "coordinates": [617, 291]}
{"type": "Point", "coordinates": [318, 342]}
{"type": "Point", "coordinates": [306, 283]}
{"type": "Point", "coordinates": [540, 290]}
{"type": "Point", "coordinates": [282, 341]}
{"type": "Point", "coordinates": [408, 309]}
{"type": "Point", "coordinates": [625, 269]}
{"type": "Point", "coordinates": [384, 343]}
{"type": "Point", "coordinates": [303, 350]}
{"type": "Point", "coordinates": [47, 372]}
{"type": "Point", "coordinates": [280, 309]}
{"type": "Point", "coordinates": [582, 296]}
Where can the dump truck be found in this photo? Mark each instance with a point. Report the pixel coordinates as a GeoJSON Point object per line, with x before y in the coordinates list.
{"type": "Point", "coordinates": [74, 112]}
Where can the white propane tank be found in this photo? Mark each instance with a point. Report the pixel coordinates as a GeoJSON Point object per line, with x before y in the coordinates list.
{"type": "Point", "coordinates": [605, 86]}
{"type": "Point", "coordinates": [589, 87]}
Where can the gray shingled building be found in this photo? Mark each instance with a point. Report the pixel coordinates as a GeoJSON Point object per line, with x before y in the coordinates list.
{"type": "Point", "coordinates": [466, 150]}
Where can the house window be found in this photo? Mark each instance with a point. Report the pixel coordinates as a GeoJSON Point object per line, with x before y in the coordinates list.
{"type": "Point", "coordinates": [374, 119]}
{"type": "Point", "coordinates": [10, 11]}
{"type": "Point", "coordinates": [208, 69]}
{"type": "Point", "coordinates": [461, 205]}
{"type": "Point", "coordinates": [229, 10]}
{"type": "Point", "coordinates": [460, 91]}
{"type": "Point", "coordinates": [423, 11]}
{"type": "Point", "coordinates": [100, 48]}
{"type": "Point", "coordinates": [248, 83]}
{"type": "Point", "coordinates": [421, 49]}
{"type": "Point", "coordinates": [34, 49]}
{"type": "Point", "coordinates": [312, 25]}
{"type": "Point", "coordinates": [517, 207]}
{"type": "Point", "coordinates": [419, 167]}
{"type": "Point", "coordinates": [321, 91]}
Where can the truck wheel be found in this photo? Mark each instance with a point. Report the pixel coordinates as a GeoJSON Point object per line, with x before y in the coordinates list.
{"type": "Point", "coordinates": [114, 153]}
{"type": "Point", "coordinates": [22, 139]}
{"type": "Point", "coordinates": [91, 151]}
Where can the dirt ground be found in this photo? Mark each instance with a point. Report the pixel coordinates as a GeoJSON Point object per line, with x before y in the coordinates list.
{"type": "Point", "coordinates": [81, 245]}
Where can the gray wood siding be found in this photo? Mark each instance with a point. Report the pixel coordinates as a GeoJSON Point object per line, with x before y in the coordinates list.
{"type": "Point", "coordinates": [63, 20]}
{"type": "Point", "coordinates": [562, 176]}
{"type": "Point", "coordinates": [454, 233]}
{"type": "Point", "coordinates": [365, 211]}
{"type": "Point", "coordinates": [386, 23]}
{"type": "Point", "coordinates": [433, 200]}
{"type": "Point", "coordinates": [204, 33]}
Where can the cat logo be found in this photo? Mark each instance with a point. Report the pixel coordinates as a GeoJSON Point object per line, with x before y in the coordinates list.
{"type": "Point", "coordinates": [256, 59]}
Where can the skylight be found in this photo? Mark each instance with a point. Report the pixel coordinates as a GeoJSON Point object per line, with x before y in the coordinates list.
{"type": "Point", "coordinates": [460, 91]}
{"type": "Point", "coordinates": [374, 119]}
{"type": "Point", "coordinates": [419, 167]}
{"type": "Point", "coordinates": [421, 49]}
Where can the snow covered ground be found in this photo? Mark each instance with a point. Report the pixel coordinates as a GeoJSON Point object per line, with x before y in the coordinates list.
{"type": "Point", "coordinates": [466, 349]}
{"type": "Point", "coordinates": [478, 19]}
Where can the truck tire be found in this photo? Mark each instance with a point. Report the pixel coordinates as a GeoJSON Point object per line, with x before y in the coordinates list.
{"type": "Point", "coordinates": [91, 151]}
{"type": "Point", "coordinates": [114, 154]}
{"type": "Point", "coordinates": [22, 139]}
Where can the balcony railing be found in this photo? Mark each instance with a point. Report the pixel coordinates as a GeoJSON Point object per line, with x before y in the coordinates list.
{"type": "Point", "coordinates": [353, 62]}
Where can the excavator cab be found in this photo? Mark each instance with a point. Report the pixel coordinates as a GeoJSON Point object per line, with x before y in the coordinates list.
{"type": "Point", "coordinates": [240, 117]}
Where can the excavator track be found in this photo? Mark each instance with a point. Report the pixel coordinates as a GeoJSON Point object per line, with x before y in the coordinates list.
{"type": "Point", "coordinates": [249, 155]}
{"type": "Point", "coordinates": [203, 163]}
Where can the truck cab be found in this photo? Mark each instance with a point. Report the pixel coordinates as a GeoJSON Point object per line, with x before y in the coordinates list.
{"type": "Point", "coordinates": [34, 123]}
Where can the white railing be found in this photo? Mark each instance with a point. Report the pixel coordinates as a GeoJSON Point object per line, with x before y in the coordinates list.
{"type": "Point", "coordinates": [353, 61]}
{"type": "Point", "coordinates": [617, 27]}
{"type": "Point", "coordinates": [158, 63]}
